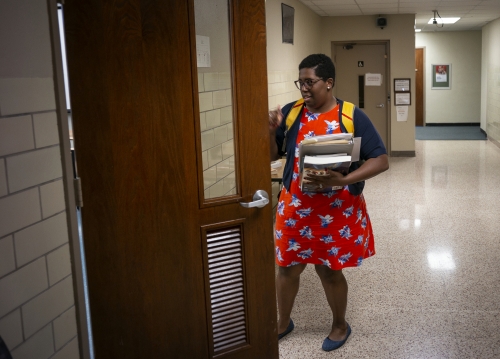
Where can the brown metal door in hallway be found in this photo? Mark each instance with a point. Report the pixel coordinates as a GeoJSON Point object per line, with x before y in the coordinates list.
{"type": "Point", "coordinates": [177, 267]}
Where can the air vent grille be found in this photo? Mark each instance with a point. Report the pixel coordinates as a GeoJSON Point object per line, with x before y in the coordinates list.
{"type": "Point", "coordinates": [227, 294]}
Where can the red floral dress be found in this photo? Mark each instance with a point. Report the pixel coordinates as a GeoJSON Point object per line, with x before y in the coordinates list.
{"type": "Point", "coordinates": [331, 228]}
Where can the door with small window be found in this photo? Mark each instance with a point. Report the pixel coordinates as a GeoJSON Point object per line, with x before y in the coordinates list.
{"type": "Point", "coordinates": [169, 107]}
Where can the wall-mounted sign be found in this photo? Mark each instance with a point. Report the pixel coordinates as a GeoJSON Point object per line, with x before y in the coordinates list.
{"type": "Point", "coordinates": [402, 98]}
{"type": "Point", "coordinates": [401, 85]}
{"type": "Point", "coordinates": [361, 64]}
{"type": "Point", "coordinates": [441, 77]}
{"type": "Point", "coordinates": [373, 79]}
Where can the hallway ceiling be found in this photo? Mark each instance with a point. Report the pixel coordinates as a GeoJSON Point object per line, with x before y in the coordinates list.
{"type": "Point", "coordinates": [474, 14]}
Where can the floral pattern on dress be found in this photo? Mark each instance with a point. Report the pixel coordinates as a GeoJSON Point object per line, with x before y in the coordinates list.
{"type": "Point", "coordinates": [331, 228]}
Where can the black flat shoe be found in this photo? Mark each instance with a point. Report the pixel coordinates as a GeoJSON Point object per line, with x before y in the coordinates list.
{"type": "Point", "coordinates": [288, 330]}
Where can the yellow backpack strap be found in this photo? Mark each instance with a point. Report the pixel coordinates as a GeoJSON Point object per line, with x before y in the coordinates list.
{"type": "Point", "coordinates": [293, 113]}
{"type": "Point", "coordinates": [348, 116]}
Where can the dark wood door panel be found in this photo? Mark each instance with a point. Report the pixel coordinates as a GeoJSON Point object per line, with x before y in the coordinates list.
{"type": "Point", "coordinates": [133, 119]}
{"type": "Point", "coordinates": [132, 71]}
{"type": "Point", "coordinates": [419, 87]}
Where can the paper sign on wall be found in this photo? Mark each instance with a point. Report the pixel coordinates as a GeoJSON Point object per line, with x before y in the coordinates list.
{"type": "Point", "coordinates": [203, 51]}
{"type": "Point", "coordinates": [402, 112]}
{"type": "Point", "coordinates": [373, 79]}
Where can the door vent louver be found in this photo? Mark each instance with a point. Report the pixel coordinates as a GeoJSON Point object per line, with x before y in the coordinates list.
{"type": "Point", "coordinates": [227, 294]}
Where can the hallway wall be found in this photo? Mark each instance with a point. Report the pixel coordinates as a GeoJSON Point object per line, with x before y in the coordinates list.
{"type": "Point", "coordinates": [400, 33]}
{"type": "Point", "coordinates": [282, 58]}
{"type": "Point", "coordinates": [461, 49]}
{"type": "Point", "coordinates": [490, 89]}
{"type": "Point", "coordinates": [37, 312]}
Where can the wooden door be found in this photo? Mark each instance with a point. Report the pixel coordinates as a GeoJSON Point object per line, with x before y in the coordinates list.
{"type": "Point", "coordinates": [173, 272]}
{"type": "Point", "coordinates": [419, 87]}
{"type": "Point", "coordinates": [371, 99]}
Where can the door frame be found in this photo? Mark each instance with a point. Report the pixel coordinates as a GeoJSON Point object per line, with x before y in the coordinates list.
{"type": "Point", "coordinates": [78, 261]}
{"type": "Point", "coordinates": [387, 80]}
{"type": "Point", "coordinates": [76, 250]}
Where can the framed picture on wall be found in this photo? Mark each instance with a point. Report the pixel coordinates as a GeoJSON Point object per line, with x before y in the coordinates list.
{"type": "Point", "coordinates": [287, 15]}
{"type": "Point", "coordinates": [441, 77]}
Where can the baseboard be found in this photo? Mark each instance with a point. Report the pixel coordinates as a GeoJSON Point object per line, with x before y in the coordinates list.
{"type": "Point", "coordinates": [402, 153]}
{"type": "Point", "coordinates": [454, 124]}
{"type": "Point", "coordinates": [495, 142]}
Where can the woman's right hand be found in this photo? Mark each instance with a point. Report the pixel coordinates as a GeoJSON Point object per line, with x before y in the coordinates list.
{"type": "Point", "coordinates": [275, 118]}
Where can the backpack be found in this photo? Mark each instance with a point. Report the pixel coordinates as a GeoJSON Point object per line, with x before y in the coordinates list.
{"type": "Point", "coordinates": [347, 117]}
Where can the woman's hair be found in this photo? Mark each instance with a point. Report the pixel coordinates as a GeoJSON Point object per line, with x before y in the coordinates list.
{"type": "Point", "coordinates": [322, 65]}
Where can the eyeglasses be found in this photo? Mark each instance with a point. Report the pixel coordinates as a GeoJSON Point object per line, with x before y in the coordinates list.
{"type": "Point", "coordinates": [307, 83]}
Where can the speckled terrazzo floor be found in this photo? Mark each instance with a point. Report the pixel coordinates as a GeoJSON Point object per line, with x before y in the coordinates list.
{"type": "Point", "coordinates": [433, 288]}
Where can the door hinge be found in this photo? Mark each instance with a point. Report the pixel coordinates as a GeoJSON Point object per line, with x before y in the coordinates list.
{"type": "Point", "coordinates": [77, 182]}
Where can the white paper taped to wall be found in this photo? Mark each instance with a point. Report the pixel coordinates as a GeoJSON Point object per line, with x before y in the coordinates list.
{"type": "Point", "coordinates": [402, 112]}
{"type": "Point", "coordinates": [373, 79]}
{"type": "Point", "coordinates": [203, 51]}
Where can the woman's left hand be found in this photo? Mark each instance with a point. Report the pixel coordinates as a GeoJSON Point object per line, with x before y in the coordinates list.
{"type": "Point", "coordinates": [328, 179]}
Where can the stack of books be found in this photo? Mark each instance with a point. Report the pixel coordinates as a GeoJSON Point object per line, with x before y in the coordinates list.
{"type": "Point", "coordinates": [319, 154]}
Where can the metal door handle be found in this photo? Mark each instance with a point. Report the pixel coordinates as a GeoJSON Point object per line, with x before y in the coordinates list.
{"type": "Point", "coordinates": [260, 199]}
{"type": "Point", "coordinates": [379, 105]}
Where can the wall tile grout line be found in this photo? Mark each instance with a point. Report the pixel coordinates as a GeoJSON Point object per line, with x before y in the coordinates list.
{"type": "Point", "coordinates": [27, 301]}
{"type": "Point", "coordinates": [34, 186]}
{"type": "Point", "coordinates": [28, 151]}
{"type": "Point", "coordinates": [33, 131]}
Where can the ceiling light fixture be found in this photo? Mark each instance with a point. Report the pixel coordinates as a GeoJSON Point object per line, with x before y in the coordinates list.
{"type": "Point", "coordinates": [441, 21]}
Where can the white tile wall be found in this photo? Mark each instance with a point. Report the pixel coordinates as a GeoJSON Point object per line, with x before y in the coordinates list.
{"type": "Point", "coordinates": [58, 264]}
{"type": "Point", "coordinates": [226, 115]}
{"type": "Point", "coordinates": [8, 263]}
{"type": "Point", "coordinates": [25, 95]}
{"type": "Point", "coordinates": [30, 184]}
{"type": "Point", "coordinates": [40, 238]}
{"type": "Point", "coordinates": [17, 135]}
{"type": "Point", "coordinates": [211, 81]}
{"type": "Point", "coordinates": [69, 351]}
{"type": "Point", "coordinates": [3, 178]}
{"type": "Point", "coordinates": [205, 101]}
{"type": "Point", "coordinates": [45, 125]}
{"type": "Point", "coordinates": [216, 118]}
{"type": "Point", "coordinates": [209, 177]}
{"type": "Point", "coordinates": [32, 168]}
{"type": "Point", "coordinates": [224, 80]}
{"type": "Point", "coordinates": [203, 122]}
{"type": "Point", "coordinates": [227, 149]}
{"type": "Point", "coordinates": [22, 285]}
{"type": "Point", "coordinates": [224, 168]}
{"type": "Point", "coordinates": [65, 327]}
{"type": "Point", "coordinates": [207, 139]}
{"type": "Point", "coordinates": [19, 210]}
{"type": "Point", "coordinates": [201, 88]}
{"type": "Point", "coordinates": [214, 156]}
{"type": "Point", "coordinates": [50, 304]}
{"type": "Point", "coordinates": [11, 330]}
{"type": "Point", "coordinates": [52, 197]}
{"type": "Point", "coordinates": [212, 118]}
{"type": "Point", "coordinates": [39, 346]}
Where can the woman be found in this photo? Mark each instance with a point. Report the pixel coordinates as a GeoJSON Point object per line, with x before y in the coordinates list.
{"type": "Point", "coordinates": [330, 230]}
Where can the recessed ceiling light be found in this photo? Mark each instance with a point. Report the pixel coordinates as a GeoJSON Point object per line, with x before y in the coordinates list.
{"type": "Point", "coordinates": [418, 30]}
{"type": "Point", "coordinates": [443, 20]}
